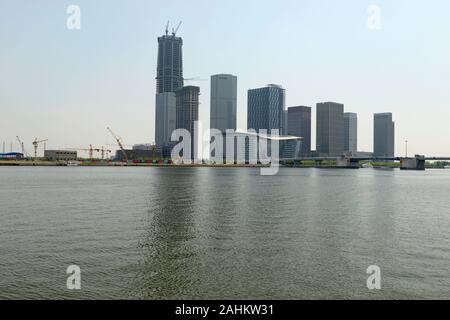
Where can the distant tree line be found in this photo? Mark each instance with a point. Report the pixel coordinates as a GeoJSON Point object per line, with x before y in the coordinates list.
{"type": "Point", "coordinates": [437, 164]}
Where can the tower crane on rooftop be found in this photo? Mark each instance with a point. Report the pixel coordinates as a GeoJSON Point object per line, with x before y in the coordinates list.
{"type": "Point", "coordinates": [167, 28]}
{"type": "Point", "coordinates": [119, 142]}
{"type": "Point", "coordinates": [36, 143]}
{"type": "Point", "coordinates": [174, 30]}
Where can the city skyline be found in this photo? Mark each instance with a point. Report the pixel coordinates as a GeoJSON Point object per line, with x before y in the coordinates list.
{"type": "Point", "coordinates": [70, 95]}
{"type": "Point", "coordinates": [224, 158]}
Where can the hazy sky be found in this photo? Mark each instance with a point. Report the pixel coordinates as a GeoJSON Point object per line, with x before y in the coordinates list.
{"type": "Point", "coordinates": [69, 85]}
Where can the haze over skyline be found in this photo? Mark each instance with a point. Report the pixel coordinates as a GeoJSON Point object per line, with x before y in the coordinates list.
{"type": "Point", "coordinates": [69, 85]}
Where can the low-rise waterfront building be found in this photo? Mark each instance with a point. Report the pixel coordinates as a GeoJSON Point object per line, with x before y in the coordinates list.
{"type": "Point", "coordinates": [60, 155]}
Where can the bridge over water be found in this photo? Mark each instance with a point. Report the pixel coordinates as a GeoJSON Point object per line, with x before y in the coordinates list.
{"type": "Point", "coordinates": [406, 163]}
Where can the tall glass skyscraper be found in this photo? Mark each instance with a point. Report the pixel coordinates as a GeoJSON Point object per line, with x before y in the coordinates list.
{"type": "Point", "coordinates": [384, 135]}
{"type": "Point", "coordinates": [187, 101]}
{"type": "Point", "coordinates": [330, 129]}
{"type": "Point", "coordinates": [350, 132]}
{"type": "Point", "coordinates": [266, 109]}
{"type": "Point", "coordinates": [223, 102]}
{"type": "Point", "coordinates": [223, 107]}
{"type": "Point", "coordinates": [299, 125]}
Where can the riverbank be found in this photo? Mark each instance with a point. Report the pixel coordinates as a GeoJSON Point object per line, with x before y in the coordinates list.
{"type": "Point", "coordinates": [305, 164]}
{"type": "Point", "coordinates": [42, 163]}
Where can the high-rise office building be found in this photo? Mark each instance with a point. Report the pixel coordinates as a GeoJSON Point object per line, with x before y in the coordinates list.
{"type": "Point", "coordinates": [223, 102]}
{"type": "Point", "coordinates": [165, 117]}
{"type": "Point", "coordinates": [383, 135]}
{"type": "Point", "coordinates": [350, 132]}
{"type": "Point", "coordinates": [223, 106]}
{"type": "Point", "coordinates": [169, 76]}
{"type": "Point", "coordinates": [266, 109]}
{"type": "Point", "coordinates": [187, 102]}
{"type": "Point", "coordinates": [330, 129]}
{"type": "Point", "coordinates": [299, 125]}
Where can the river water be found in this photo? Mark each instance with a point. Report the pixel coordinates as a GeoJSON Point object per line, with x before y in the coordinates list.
{"type": "Point", "coordinates": [223, 233]}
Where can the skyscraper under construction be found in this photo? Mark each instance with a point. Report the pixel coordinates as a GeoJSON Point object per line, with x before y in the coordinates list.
{"type": "Point", "coordinates": [169, 77]}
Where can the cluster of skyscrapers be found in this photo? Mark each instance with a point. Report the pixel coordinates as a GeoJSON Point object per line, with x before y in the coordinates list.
{"type": "Point", "coordinates": [177, 106]}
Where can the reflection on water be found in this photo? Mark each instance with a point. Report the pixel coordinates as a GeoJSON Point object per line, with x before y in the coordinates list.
{"type": "Point", "coordinates": [167, 246]}
{"type": "Point", "coordinates": [158, 233]}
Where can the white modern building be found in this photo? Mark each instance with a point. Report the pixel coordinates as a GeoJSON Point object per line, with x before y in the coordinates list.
{"type": "Point", "coordinates": [252, 147]}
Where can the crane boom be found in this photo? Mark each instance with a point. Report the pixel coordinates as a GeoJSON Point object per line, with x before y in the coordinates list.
{"type": "Point", "coordinates": [22, 146]}
{"type": "Point", "coordinates": [91, 151]}
{"type": "Point", "coordinates": [174, 31]}
{"type": "Point", "coordinates": [195, 79]}
{"type": "Point", "coordinates": [119, 142]}
{"type": "Point", "coordinates": [35, 144]}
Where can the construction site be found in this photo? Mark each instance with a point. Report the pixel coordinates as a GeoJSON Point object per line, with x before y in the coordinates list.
{"type": "Point", "coordinates": [109, 155]}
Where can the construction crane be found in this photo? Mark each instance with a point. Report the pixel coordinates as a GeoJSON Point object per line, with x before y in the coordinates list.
{"type": "Point", "coordinates": [195, 79]}
{"type": "Point", "coordinates": [36, 142]}
{"type": "Point", "coordinates": [119, 142]}
{"type": "Point", "coordinates": [103, 151]}
{"type": "Point", "coordinates": [174, 31]}
{"type": "Point", "coordinates": [154, 148]}
{"type": "Point", "coordinates": [91, 151]}
{"type": "Point", "coordinates": [116, 145]}
{"type": "Point", "coordinates": [167, 28]}
{"type": "Point", "coordinates": [22, 146]}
